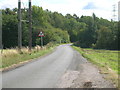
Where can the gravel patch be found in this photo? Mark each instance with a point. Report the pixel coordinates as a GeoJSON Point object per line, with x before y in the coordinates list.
{"type": "Point", "coordinates": [83, 74]}
{"type": "Point", "coordinates": [68, 79]}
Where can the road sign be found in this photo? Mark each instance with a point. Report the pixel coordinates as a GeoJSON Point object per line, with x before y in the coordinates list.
{"type": "Point", "coordinates": [41, 34]}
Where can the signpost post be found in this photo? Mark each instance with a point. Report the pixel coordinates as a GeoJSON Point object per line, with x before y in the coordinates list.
{"type": "Point", "coordinates": [41, 35]}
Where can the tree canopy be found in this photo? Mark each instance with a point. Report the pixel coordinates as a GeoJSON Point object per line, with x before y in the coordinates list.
{"type": "Point", "coordinates": [86, 31]}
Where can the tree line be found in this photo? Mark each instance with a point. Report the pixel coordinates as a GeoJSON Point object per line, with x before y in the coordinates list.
{"type": "Point", "coordinates": [84, 31]}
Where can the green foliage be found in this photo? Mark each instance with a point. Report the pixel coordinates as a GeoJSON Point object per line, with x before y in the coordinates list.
{"type": "Point", "coordinates": [106, 61]}
{"type": "Point", "coordinates": [56, 35]}
{"type": "Point", "coordinates": [106, 58]}
{"type": "Point", "coordinates": [87, 31]}
{"type": "Point", "coordinates": [12, 56]}
{"type": "Point", "coordinates": [38, 16]}
{"type": "Point", "coordinates": [107, 38]}
{"type": "Point", "coordinates": [9, 30]}
{"type": "Point", "coordinates": [40, 23]}
{"type": "Point", "coordinates": [104, 38]}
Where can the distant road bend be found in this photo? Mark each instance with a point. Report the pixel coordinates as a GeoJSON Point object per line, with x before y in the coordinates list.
{"type": "Point", "coordinates": [63, 65]}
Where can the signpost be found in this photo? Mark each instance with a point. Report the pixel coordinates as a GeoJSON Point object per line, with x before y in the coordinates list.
{"type": "Point", "coordinates": [41, 34]}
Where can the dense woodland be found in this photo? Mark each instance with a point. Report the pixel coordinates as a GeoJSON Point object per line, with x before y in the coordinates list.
{"type": "Point", "coordinates": [84, 31]}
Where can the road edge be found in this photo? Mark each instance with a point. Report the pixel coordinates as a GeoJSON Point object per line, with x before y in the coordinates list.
{"type": "Point", "coordinates": [20, 64]}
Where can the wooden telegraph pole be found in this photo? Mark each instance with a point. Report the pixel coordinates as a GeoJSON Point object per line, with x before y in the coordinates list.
{"type": "Point", "coordinates": [30, 25]}
{"type": "Point", "coordinates": [0, 29]}
{"type": "Point", "coordinates": [19, 26]}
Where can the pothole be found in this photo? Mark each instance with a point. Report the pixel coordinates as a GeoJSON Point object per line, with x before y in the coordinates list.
{"type": "Point", "coordinates": [87, 84]}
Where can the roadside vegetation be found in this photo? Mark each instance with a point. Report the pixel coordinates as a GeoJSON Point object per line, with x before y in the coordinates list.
{"type": "Point", "coordinates": [105, 60]}
{"type": "Point", "coordinates": [13, 56]}
{"type": "Point", "coordinates": [87, 31]}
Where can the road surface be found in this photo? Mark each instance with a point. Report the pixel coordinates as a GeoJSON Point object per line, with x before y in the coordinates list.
{"type": "Point", "coordinates": [44, 72]}
{"type": "Point", "coordinates": [50, 71]}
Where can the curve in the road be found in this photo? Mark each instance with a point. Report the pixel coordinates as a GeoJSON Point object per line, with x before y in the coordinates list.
{"type": "Point", "coordinates": [43, 73]}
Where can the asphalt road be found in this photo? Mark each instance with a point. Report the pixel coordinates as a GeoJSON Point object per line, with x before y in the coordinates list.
{"type": "Point", "coordinates": [42, 73]}
{"type": "Point", "coordinates": [64, 68]}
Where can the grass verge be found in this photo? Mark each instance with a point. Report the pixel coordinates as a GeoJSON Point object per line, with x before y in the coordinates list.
{"type": "Point", "coordinates": [12, 56]}
{"type": "Point", "coordinates": [105, 60]}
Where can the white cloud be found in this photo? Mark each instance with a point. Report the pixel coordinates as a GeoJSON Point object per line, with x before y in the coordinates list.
{"type": "Point", "coordinates": [104, 7]}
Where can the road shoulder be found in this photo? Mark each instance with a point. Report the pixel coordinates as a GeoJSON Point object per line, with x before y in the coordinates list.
{"type": "Point", "coordinates": [20, 64]}
{"type": "Point", "coordinates": [83, 75]}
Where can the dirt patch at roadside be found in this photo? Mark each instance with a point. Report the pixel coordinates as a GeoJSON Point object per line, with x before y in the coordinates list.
{"type": "Point", "coordinates": [91, 78]}
{"type": "Point", "coordinates": [85, 75]}
{"type": "Point", "coordinates": [68, 79]}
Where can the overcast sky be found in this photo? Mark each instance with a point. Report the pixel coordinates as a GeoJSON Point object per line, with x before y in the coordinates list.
{"type": "Point", "coordinates": [102, 8]}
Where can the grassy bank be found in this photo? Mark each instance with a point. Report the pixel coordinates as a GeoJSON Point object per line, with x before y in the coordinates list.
{"type": "Point", "coordinates": [12, 56]}
{"type": "Point", "coordinates": [105, 60]}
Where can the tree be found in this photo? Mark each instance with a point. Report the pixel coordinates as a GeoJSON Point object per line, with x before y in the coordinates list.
{"type": "Point", "coordinates": [9, 28]}
{"type": "Point", "coordinates": [76, 17]}
{"type": "Point", "coordinates": [87, 37]}
{"type": "Point", "coordinates": [105, 37]}
{"type": "Point", "coordinates": [87, 30]}
{"type": "Point", "coordinates": [38, 16]}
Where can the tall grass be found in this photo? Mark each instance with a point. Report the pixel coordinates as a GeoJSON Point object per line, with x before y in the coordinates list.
{"type": "Point", "coordinates": [13, 56]}
{"type": "Point", "coordinates": [106, 60]}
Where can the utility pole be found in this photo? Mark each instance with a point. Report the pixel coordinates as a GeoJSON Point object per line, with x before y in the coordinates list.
{"type": "Point", "coordinates": [1, 29]}
{"type": "Point", "coordinates": [30, 26]}
{"type": "Point", "coordinates": [114, 12]}
{"type": "Point", "coordinates": [119, 11]}
{"type": "Point", "coordinates": [19, 26]}
{"type": "Point", "coordinates": [1, 48]}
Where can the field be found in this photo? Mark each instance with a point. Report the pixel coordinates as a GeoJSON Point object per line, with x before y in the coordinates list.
{"type": "Point", "coordinates": [12, 56]}
{"type": "Point", "coordinates": [105, 60]}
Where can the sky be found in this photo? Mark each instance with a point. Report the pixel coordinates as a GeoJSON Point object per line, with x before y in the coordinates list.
{"type": "Point", "coordinates": [101, 8]}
